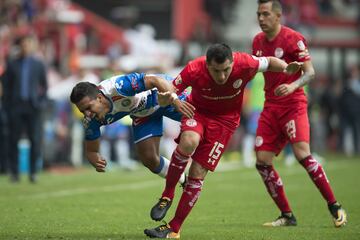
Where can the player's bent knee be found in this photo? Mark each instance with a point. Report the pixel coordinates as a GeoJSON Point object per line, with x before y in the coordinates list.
{"type": "Point", "coordinates": [188, 145]}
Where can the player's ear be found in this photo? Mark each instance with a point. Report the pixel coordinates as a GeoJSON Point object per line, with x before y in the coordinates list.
{"type": "Point", "coordinates": [99, 97]}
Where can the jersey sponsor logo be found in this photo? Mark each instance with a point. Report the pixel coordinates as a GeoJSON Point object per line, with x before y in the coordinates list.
{"type": "Point", "coordinates": [279, 52]}
{"type": "Point", "coordinates": [222, 97]}
{"type": "Point", "coordinates": [259, 141]}
{"type": "Point", "coordinates": [237, 83]}
{"type": "Point", "coordinates": [141, 105]}
{"type": "Point", "coordinates": [178, 80]}
{"type": "Point", "coordinates": [191, 122]}
{"type": "Point", "coordinates": [301, 45]}
{"type": "Point", "coordinates": [259, 53]}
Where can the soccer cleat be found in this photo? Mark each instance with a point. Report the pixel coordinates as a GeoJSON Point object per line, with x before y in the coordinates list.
{"type": "Point", "coordinates": [162, 231]}
{"type": "Point", "coordinates": [338, 214]}
{"type": "Point", "coordinates": [158, 211]}
{"type": "Point", "coordinates": [282, 221]}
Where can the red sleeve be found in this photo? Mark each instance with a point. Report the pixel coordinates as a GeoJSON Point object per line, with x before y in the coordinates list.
{"type": "Point", "coordinates": [249, 63]}
{"type": "Point", "coordinates": [299, 49]}
{"type": "Point", "coordinates": [182, 81]}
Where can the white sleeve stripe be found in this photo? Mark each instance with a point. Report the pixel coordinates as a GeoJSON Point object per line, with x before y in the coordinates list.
{"type": "Point", "coordinates": [263, 64]}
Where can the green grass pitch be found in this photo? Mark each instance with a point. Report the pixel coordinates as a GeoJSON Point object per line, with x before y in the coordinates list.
{"type": "Point", "coordinates": [233, 205]}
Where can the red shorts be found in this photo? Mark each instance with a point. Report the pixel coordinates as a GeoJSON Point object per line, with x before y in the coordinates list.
{"type": "Point", "coordinates": [277, 126]}
{"type": "Point", "coordinates": [214, 139]}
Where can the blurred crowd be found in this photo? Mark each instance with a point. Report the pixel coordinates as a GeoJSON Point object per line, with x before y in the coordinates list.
{"type": "Point", "coordinates": [70, 50]}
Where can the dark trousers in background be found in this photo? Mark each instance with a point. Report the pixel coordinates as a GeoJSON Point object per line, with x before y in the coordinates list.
{"type": "Point", "coordinates": [24, 118]}
{"type": "Point", "coordinates": [4, 141]}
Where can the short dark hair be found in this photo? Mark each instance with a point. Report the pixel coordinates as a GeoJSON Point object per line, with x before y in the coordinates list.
{"type": "Point", "coordinates": [275, 6]}
{"type": "Point", "coordinates": [83, 89]}
{"type": "Point", "coordinates": [219, 52]}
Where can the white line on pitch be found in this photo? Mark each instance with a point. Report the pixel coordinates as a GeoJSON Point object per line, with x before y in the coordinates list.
{"type": "Point", "coordinates": [78, 191]}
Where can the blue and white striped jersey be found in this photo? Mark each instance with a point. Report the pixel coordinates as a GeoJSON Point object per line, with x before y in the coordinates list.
{"type": "Point", "coordinates": [127, 96]}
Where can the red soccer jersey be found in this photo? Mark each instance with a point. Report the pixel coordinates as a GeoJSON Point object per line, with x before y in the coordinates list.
{"type": "Point", "coordinates": [289, 46]}
{"type": "Point", "coordinates": [218, 101]}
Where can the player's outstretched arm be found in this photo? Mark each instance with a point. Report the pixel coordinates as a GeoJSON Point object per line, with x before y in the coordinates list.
{"type": "Point", "coordinates": [306, 77]}
{"type": "Point", "coordinates": [276, 65]}
{"type": "Point", "coordinates": [153, 81]}
{"type": "Point", "coordinates": [93, 156]}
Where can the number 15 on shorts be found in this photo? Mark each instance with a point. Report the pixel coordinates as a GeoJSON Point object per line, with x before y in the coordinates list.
{"type": "Point", "coordinates": [215, 152]}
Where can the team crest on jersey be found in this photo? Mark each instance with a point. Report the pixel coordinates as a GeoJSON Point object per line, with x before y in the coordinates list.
{"type": "Point", "coordinates": [279, 52]}
{"type": "Point", "coordinates": [237, 83]}
{"type": "Point", "coordinates": [301, 45]}
{"type": "Point", "coordinates": [191, 122]}
{"type": "Point", "coordinates": [259, 141]}
{"type": "Point", "coordinates": [126, 102]}
{"type": "Point", "coordinates": [178, 80]}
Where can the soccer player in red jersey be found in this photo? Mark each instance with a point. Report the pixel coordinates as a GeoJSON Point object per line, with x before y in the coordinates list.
{"type": "Point", "coordinates": [284, 118]}
{"type": "Point", "coordinates": [218, 81]}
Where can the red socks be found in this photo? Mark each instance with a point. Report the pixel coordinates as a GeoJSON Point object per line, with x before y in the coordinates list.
{"type": "Point", "coordinates": [188, 199]}
{"type": "Point", "coordinates": [318, 176]}
{"type": "Point", "coordinates": [274, 186]}
{"type": "Point", "coordinates": [177, 167]}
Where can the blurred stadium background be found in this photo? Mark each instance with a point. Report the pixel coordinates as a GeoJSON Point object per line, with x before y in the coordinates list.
{"type": "Point", "coordinates": [82, 40]}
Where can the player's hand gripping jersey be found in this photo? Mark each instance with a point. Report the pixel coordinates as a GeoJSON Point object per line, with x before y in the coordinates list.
{"type": "Point", "coordinates": [128, 96]}
{"type": "Point", "coordinates": [289, 46]}
{"type": "Point", "coordinates": [216, 100]}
